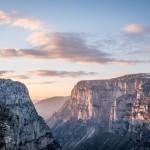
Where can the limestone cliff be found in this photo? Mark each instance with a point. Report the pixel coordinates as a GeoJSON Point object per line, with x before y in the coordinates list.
{"type": "Point", "coordinates": [117, 105]}
{"type": "Point", "coordinates": [23, 128]}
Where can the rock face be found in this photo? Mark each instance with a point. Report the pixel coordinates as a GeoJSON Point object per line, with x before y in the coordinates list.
{"type": "Point", "coordinates": [24, 129]}
{"type": "Point", "coordinates": [116, 105]}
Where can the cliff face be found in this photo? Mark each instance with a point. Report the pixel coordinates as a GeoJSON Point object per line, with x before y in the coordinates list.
{"type": "Point", "coordinates": [116, 104]}
{"type": "Point", "coordinates": [23, 128]}
{"type": "Point", "coordinates": [126, 98]}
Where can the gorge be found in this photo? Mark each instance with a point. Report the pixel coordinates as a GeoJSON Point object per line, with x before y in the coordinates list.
{"type": "Point", "coordinates": [106, 114]}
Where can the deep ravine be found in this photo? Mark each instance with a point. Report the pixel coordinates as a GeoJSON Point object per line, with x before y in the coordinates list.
{"type": "Point", "coordinates": [111, 114]}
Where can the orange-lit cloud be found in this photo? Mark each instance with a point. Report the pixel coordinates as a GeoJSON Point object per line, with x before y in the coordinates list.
{"type": "Point", "coordinates": [136, 29]}
{"type": "Point", "coordinates": [27, 23]}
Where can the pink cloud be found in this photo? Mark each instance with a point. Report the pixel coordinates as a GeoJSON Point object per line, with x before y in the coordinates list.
{"type": "Point", "coordinates": [65, 46]}
{"type": "Point", "coordinates": [136, 28]}
{"type": "Point", "coordinates": [4, 18]}
{"type": "Point", "coordinates": [18, 21]}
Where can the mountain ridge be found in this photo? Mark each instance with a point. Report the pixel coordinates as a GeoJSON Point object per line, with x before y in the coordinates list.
{"type": "Point", "coordinates": [47, 107]}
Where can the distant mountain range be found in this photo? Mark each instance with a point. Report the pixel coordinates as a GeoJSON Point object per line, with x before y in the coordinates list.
{"type": "Point", "coordinates": [47, 107]}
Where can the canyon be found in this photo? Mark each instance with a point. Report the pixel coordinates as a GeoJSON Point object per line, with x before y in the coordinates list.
{"type": "Point", "coordinates": [103, 109]}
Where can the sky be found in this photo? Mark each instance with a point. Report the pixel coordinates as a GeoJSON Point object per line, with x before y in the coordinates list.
{"type": "Point", "coordinates": [50, 45]}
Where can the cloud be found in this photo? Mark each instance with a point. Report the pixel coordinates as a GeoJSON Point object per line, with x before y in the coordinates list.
{"type": "Point", "coordinates": [65, 46]}
{"type": "Point", "coordinates": [23, 22]}
{"type": "Point", "coordinates": [5, 72]}
{"type": "Point", "coordinates": [22, 77]}
{"type": "Point", "coordinates": [54, 73]}
{"type": "Point", "coordinates": [27, 23]}
{"type": "Point", "coordinates": [8, 53]}
{"type": "Point", "coordinates": [12, 74]}
{"type": "Point", "coordinates": [136, 29]}
{"type": "Point", "coordinates": [4, 18]}
{"type": "Point", "coordinates": [70, 46]}
{"type": "Point", "coordinates": [43, 73]}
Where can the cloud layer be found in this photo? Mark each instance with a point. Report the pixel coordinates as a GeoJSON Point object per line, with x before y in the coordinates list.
{"type": "Point", "coordinates": [67, 46]}
{"type": "Point", "coordinates": [44, 73]}
{"type": "Point", "coordinates": [53, 73]}
{"type": "Point", "coordinates": [62, 45]}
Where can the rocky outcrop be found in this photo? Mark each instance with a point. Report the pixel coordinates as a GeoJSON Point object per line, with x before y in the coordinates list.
{"type": "Point", "coordinates": [117, 105]}
{"type": "Point", "coordinates": [23, 128]}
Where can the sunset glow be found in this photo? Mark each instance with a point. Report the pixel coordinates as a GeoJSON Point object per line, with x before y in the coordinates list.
{"type": "Point", "coordinates": [51, 45]}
